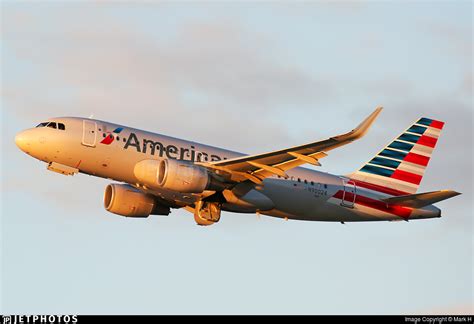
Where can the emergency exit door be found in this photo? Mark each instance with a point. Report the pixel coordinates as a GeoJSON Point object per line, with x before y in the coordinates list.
{"type": "Point", "coordinates": [89, 133]}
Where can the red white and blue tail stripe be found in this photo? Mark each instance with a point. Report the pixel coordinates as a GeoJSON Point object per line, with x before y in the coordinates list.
{"type": "Point", "coordinates": [399, 167]}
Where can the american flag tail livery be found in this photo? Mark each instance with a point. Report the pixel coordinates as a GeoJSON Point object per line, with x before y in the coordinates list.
{"type": "Point", "coordinates": [399, 167]}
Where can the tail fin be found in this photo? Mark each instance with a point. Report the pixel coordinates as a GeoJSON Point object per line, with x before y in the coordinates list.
{"type": "Point", "coordinates": [400, 165]}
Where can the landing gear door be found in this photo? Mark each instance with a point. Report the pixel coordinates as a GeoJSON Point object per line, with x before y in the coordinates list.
{"type": "Point", "coordinates": [349, 194]}
{"type": "Point", "coordinates": [89, 133]}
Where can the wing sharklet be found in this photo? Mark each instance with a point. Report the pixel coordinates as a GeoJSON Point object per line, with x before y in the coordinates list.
{"type": "Point", "coordinates": [361, 129]}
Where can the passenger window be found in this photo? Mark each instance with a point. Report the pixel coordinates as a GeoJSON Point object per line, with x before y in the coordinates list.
{"type": "Point", "coordinates": [118, 138]}
{"type": "Point", "coordinates": [305, 181]}
{"type": "Point", "coordinates": [312, 183]}
{"type": "Point", "coordinates": [52, 125]}
{"type": "Point", "coordinates": [61, 126]}
{"type": "Point", "coordinates": [299, 180]}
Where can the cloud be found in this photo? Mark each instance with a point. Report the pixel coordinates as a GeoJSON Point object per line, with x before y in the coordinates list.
{"type": "Point", "coordinates": [221, 79]}
{"type": "Point", "coordinates": [206, 78]}
{"type": "Point", "coordinates": [196, 84]}
{"type": "Point", "coordinates": [212, 71]}
{"type": "Point", "coordinates": [457, 40]}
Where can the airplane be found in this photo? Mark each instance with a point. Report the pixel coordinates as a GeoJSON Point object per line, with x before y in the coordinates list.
{"type": "Point", "coordinates": [156, 173]}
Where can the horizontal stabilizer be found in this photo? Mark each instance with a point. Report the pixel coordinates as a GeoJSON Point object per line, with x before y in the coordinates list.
{"type": "Point", "coordinates": [422, 199]}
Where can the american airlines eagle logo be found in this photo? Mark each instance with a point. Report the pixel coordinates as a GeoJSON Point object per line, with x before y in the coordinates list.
{"type": "Point", "coordinates": [110, 136]}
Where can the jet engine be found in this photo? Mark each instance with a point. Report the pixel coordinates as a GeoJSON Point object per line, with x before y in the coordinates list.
{"type": "Point", "coordinates": [181, 176]}
{"type": "Point", "coordinates": [128, 201]}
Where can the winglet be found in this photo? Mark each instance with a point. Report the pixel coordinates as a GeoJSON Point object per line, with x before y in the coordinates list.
{"type": "Point", "coordinates": [361, 129]}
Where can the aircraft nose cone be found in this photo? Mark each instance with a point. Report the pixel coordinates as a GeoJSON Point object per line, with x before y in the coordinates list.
{"type": "Point", "coordinates": [21, 141]}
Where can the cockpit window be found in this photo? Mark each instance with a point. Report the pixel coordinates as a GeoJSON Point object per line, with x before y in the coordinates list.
{"type": "Point", "coordinates": [52, 125]}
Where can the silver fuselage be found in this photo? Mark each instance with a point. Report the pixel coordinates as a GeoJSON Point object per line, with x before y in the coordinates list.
{"type": "Point", "coordinates": [305, 195]}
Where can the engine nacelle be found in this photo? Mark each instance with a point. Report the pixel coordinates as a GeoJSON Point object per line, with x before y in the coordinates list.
{"type": "Point", "coordinates": [128, 201]}
{"type": "Point", "coordinates": [181, 176]}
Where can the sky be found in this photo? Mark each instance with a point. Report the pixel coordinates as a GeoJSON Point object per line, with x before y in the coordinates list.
{"type": "Point", "coordinates": [250, 77]}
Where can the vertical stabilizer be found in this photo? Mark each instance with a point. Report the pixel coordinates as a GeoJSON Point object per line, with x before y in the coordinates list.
{"type": "Point", "coordinates": [401, 164]}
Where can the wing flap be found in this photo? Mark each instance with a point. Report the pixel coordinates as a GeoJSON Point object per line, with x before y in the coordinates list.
{"type": "Point", "coordinates": [422, 199]}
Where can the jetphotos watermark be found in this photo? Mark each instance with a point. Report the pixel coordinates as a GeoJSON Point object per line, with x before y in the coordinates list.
{"type": "Point", "coordinates": [34, 319]}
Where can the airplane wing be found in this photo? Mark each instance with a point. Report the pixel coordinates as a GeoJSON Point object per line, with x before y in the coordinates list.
{"type": "Point", "coordinates": [257, 167]}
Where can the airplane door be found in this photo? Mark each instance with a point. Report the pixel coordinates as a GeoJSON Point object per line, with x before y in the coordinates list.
{"type": "Point", "coordinates": [349, 194]}
{"type": "Point", "coordinates": [89, 133]}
